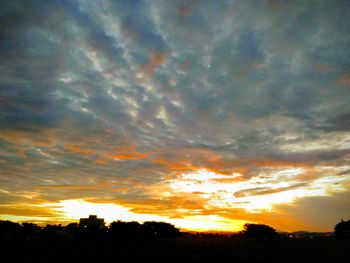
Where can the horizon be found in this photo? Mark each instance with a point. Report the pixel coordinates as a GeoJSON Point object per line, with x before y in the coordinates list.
{"type": "Point", "coordinates": [182, 230]}
{"type": "Point", "coordinates": [86, 213]}
{"type": "Point", "coordinates": [204, 114]}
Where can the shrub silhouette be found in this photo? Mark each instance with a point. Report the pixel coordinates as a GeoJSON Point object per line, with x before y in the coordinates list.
{"type": "Point", "coordinates": [259, 231]}
{"type": "Point", "coordinates": [342, 229]}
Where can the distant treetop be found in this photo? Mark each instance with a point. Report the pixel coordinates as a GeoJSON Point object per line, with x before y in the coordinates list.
{"type": "Point", "coordinates": [258, 231]}
{"type": "Point", "coordinates": [342, 229]}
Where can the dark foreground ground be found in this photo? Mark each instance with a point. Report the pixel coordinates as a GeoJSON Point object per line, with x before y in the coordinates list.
{"type": "Point", "coordinates": [184, 249]}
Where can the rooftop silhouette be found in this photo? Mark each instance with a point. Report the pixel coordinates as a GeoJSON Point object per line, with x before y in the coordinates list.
{"type": "Point", "coordinates": [92, 222]}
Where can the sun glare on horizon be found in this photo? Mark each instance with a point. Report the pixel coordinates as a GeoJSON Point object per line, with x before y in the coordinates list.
{"type": "Point", "coordinates": [77, 208]}
{"type": "Point", "coordinates": [216, 192]}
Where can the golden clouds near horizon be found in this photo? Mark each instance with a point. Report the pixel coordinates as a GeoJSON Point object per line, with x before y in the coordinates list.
{"type": "Point", "coordinates": [210, 192]}
{"type": "Point", "coordinates": [196, 200]}
{"type": "Point", "coordinates": [256, 194]}
{"type": "Point", "coordinates": [79, 208]}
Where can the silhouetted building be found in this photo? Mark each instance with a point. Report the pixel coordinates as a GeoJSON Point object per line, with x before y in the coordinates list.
{"type": "Point", "coordinates": [91, 222]}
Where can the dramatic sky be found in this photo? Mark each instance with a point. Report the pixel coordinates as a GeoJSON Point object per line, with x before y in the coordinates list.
{"type": "Point", "coordinates": [204, 114]}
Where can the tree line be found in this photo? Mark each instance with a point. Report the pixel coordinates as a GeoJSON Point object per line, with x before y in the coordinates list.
{"type": "Point", "coordinates": [119, 230]}
{"type": "Point", "coordinates": [116, 230]}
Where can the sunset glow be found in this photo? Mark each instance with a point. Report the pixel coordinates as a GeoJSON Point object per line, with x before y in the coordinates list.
{"type": "Point", "coordinates": [76, 209]}
{"type": "Point", "coordinates": [222, 191]}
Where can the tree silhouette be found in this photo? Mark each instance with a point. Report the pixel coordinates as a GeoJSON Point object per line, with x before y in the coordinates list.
{"type": "Point", "coordinates": [150, 229]}
{"type": "Point", "coordinates": [53, 233]}
{"type": "Point", "coordinates": [259, 231]}
{"type": "Point", "coordinates": [30, 231]}
{"type": "Point", "coordinates": [9, 230]}
{"type": "Point", "coordinates": [72, 228]}
{"type": "Point", "coordinates": [120, 229]}
{"type": "Point", "coordinates": [342, 229]}
{"type": "Point", "coordinates": [160, 229]}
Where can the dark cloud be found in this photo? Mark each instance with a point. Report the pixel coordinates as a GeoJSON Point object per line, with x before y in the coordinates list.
{"type": "Point", "coordinates": [337, 123]}
{"type": "Point", "coordinates": [265, 190]}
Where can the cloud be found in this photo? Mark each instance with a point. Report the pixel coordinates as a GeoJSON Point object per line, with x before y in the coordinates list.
{"type": "Point", "coordinates": [265, 190]}
{"type": "Point", "coordinates": [344, 79]}
{"type": "Point", "coordinates": [114, 100]}
{"type": "Point", "coordinates": [76, 149]}
{"type": "Point", "coordinates": [338, 123]}
{"type": "Point", "coordinates": [155, 61]}
{"type": "Point", "coordinates": [127, 156]}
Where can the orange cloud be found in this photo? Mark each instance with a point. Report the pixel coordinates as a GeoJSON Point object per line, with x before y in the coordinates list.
{"type": "Point", "coordinates": [42, 138]}
{"type": "Point", "coordinates": [225, 168]}
{"type": "Point", "coordinates": [26, 210]}
{"type": "Point", "coordinates": [228, 180]}
{"type": "Point", "coordinates": [190, 159]}
{"type": "Point", "coordinates": [124, 148]}
{"type": "Point", "coordinates": [344, 79]}
{"type": "Point", "coordinates": [199, 154]}
{"type": "Point", "coordinates": [75, 187]}
{"type": "Point", "coordinates": [168, 206]}
{"type": "Point", "coordinates": [77, 149]}
{"type": "Point", "coordinates": [127, 156]}
{"type": "Point", "coordinates": [156, 60]}
{"type": "Point", "coordinates": [68, 187]}
{"type": "Point", "coordinates": [21, 153]}
{"type": "Point", "coordinates": [196, 158]}
{"type": "Point", "coordinates": [183, 11]}
{"type": "Point", "coordinates": [242, 166]}
{"type": "Point", "coordinates": [308, 175]}
{"type": "Point", "coordinates": [12, 136]}
{"type": "Point", "coordinates": [101, 161]}
{"type": "Point", "coordinates": [177, 166]}
{"type": "Point", "coordinates": [185, 65]}
{"type": "Point", "coordinates": [122, 152]}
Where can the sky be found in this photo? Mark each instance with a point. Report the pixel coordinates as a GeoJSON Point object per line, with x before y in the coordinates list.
{"type": "Point", "coordinates": [204, 114]}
